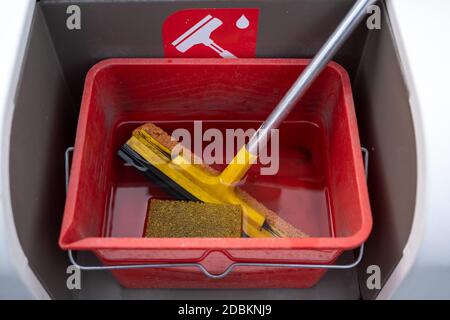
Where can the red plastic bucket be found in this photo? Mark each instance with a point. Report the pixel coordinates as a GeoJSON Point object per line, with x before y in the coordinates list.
{"type": "Point", "coordinates": [320, 186]}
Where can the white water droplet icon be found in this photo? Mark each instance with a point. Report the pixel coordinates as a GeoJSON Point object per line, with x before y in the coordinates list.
{"type": "Point", "coordinates": [242, 22]}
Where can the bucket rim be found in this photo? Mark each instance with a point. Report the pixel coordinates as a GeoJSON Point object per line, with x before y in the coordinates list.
{"type": "Point", "coordinates": [311, 243]}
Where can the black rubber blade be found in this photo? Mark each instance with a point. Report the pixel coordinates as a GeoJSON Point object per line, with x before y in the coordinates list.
{"type": "Point", "coordinates": [171, 187]}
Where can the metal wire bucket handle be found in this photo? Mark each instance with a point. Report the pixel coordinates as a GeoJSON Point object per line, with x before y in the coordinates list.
{"type": "Point", "coordinates": [199, 265]}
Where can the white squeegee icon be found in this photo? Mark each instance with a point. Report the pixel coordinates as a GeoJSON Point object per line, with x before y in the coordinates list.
{"type": "Point", "coordinates": [201, 34]}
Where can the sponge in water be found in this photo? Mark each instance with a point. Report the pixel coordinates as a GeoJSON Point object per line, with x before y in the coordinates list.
{"type": "Point", "coordinates": [180, 219]}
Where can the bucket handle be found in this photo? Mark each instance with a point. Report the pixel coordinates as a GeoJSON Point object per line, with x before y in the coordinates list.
{"type": "Point", "coordinates": [199, 265]}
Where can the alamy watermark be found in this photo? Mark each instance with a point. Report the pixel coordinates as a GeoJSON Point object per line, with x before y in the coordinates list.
{"type": "Point", "coordinates": [73, 21]}
{"type": "Point", "coordinates": [213, 146]}
{"type": "Point", "coordinates": [373, 22]}
{"type": "Point", "coordinates": [73, 281]}
{"type": "Point", "coordinates": [373, 281]}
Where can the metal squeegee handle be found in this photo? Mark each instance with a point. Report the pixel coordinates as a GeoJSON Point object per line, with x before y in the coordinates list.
{"type": "Point", "coordinates": [309, 74]}
{"type": "Point", "coordinates": [199, 265]}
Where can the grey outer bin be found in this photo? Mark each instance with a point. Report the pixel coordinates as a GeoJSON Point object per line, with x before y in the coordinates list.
{"type": "Point", "coordinates": [48, 99]}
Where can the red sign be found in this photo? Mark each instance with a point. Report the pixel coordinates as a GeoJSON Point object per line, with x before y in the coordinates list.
{"type": "Point", "coordinates": [211, 33]}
